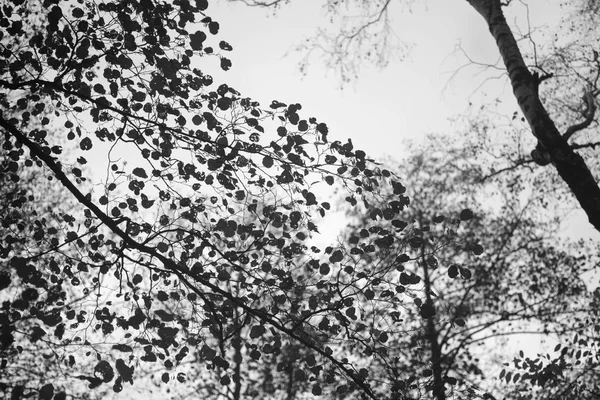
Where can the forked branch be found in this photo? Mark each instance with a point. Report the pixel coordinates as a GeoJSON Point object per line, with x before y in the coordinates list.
{"type": "Point", "coordinates": [588, 114]}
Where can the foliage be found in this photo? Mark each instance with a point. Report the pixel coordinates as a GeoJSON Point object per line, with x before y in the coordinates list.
{"type": "Point", "coordinates": [569, 372]}
{"type": "Point", "coordinates": [526, 283]}
{"type": "Point", "coordinates": [32, 332]}
{"type": "Point", "coordinates": [197, 241]}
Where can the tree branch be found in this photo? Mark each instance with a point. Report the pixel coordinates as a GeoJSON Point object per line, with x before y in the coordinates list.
{"type": "Point", "coordinates": [588, 113]}
{"type": "Point", "coordinates": [516, 165]}
{"type": "Point", "coordinates": [585, 145]}
{"type": "Point", "coordinates": [169, 264]}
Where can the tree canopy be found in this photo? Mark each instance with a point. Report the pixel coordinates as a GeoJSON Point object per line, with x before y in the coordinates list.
{"type": "Point", "coordinates": [159, 226]}
{"type": "Point", "coordinates": [196, 239]}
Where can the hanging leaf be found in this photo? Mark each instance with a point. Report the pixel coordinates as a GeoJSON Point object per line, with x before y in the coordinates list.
{"type": "Point", "coordinates": [104, 369]}
{"type": "Point", "coordinates": [85, 144]}
{"type": "Point", "coordinates": [197, 39]}
{"type": "Point", "coordinates": [46, 392]}
{"type": "Point", "coordinates": [267, 162]}
{"type": "Point", "coordinates": [257, 331]}
{"type": "Point", "coordinates": [140, 173]}
{"type": "Point", "coordinates": [466, 214]}
{"type": "Point", "coordinates": [122, 347]}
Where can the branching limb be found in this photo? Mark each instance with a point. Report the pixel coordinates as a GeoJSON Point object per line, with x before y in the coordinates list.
{"type": "Point", "coordinates": [516, 165]}
{"type": "Point", "coordinates": [585, 145]}
{"type": "Point", "coordinates": [588, 114]}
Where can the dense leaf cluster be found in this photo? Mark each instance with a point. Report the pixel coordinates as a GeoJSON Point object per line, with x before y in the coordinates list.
{"type": "Point", "coordinates": [187, 213]}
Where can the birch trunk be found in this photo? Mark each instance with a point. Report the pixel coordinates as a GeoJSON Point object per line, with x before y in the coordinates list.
{"type": "Point", "coordinates": [570, 166]}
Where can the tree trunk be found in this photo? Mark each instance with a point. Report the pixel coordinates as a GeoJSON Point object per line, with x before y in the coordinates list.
{"type": "Point", "coordinates": [439, 392]}
{"type": "Point", "coordinates": [291, 393]}
{"type": "Point", "coordinates": [238, 359]}
{"type": "Point", "coordinates": [569, 165]}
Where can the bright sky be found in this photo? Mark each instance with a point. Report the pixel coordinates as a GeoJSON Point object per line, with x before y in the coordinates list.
{"type": "Point", "coordinates": [384, 107]}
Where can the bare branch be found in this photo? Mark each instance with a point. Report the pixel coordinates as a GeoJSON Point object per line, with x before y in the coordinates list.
{"type": "Point", "coordinates": [516, 165]}
{"type": "Point", "coordinates": [585, 145]}
{"type": "Point", "coordinates": [255, 3]}
{"type": "Point", "coordinates": [588, 114]}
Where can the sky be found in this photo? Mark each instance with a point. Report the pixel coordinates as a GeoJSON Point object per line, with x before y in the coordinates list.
{"type": "Point", "coordinates": [383, 108]}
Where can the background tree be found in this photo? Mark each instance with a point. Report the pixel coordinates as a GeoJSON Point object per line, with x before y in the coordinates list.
{"type": "Point", "coordinates": [34, 347]}
{"type": "Point", "coordinates": [528, 282]}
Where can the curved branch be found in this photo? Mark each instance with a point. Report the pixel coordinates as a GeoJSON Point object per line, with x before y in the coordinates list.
{"type": "Point", "coordinates": [516, 165]}
{"type": "Point", "coordinates": [589, 114]}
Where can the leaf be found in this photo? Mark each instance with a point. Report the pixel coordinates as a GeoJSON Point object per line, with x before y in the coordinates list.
{"type": "Point", "coordinates": [415, 242]}
{"type": "Point", "coordinates": [453, 271]}
{"type": "Point", "coordinates": [105, 370]}
{"type": "Point", "coordinates": [267, 162]}
{"type": "Point", "coordinates": [60, 396]}
{"type": "Point", "coordinates": [59, 331]}
{"type": "Point", "coordinates": [337, 256]}
{"type": "Point", "coordinates": [322, 128]}
{"type": "Point", "coordinates": [224, 103]}
{"type": "Point", "coordinates": [213, 27]}
{"type": "Point", "coordinates": [202, 4]}
{"type": "Point", "coordinates": [225, 380]}
{"type": "Point", "coordinates": [46, 392]}
{"type": "Point", "coordinates": [476, 248]}
{"type": "Point", "coordinates": [137, 278]}
{"type": "Point", "coordinates": [316, 390]}
{"type": "Point", "coordinates": [230, 228]}
{"type": "Point", "coordinates": [124, 371]}
{"type": "Point", "coordinates": [383, 337]}
{"type": "Point", "coordinates": [197, 39]}
{"type": "Point", "coordinates": [466, 214]}
{"type": "Point", "coordinates": [85, 144]}
{"type": "Point", "coordinates": [465, 272]}
{"type": "Point", "coordinates": [557, 347]}
{"type": "Point", "coordinates": [214, 164]}
{"type": "Point", "coordinates": [140, 172]}
{"type": "Point", "coordinates": [225, 64]}
{"type": "Point", "coordinates": [385, 242]}
{"type": "Point", "coordinates": [227, 47]}
{"type": "Point", "coordinates": [122, 347]}
{"type": "Point", "coordinates": [77, 12]}
{"type": "Point", "coordinates": [5, 280]}
{"type": "Point", "coordinates": [257, 331]}
{"type": "Point", "coordinates": [37, 333]}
